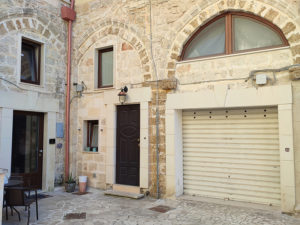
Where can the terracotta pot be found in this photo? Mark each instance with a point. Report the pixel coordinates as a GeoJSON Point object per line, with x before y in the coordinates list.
{"type": "Point", "coordinates": [82, 184]}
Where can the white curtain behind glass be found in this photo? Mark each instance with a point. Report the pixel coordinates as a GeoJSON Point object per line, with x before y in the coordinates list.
{"type": "Point", "coordinates": [107, 68]}
{"type": "Point", "coordinates": [249, 34]}
{"type": "Point", "coordinates": [209, 41]}
{"type": "Point", "coordinates": [94, 142]}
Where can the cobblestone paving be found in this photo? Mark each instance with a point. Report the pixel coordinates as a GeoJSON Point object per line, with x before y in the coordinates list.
{"type": "Point", "coordinates": [101, 209]}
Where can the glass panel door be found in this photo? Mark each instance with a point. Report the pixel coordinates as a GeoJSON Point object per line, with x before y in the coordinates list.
{"type": "Point", "coordinates": [27, 147]}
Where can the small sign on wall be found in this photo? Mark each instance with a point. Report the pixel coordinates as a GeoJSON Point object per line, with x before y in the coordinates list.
{"type": "Point", "coordinates": [59, 130]}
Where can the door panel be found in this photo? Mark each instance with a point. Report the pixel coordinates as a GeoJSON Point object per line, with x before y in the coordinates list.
{"type": "Point", "coordinates": [27, 147]}
{"type": "Point", "coordinates": [128, 150]}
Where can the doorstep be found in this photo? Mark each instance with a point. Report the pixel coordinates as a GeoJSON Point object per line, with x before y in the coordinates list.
{"type": "Point", "coordinates": [124, 194]}
{"type": "Point", "coordinates": [126, 188]}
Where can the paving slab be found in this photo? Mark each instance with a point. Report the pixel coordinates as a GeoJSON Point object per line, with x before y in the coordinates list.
{"type": "Point", "coordinates": [103, 209]}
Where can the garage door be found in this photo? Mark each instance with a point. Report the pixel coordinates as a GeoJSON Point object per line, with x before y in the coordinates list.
{"type": "Point", "coordinates": [232, 154]}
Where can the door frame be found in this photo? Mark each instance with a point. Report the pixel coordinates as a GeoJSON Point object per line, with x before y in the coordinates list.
{"type": "Point", "coordinates": [40, 147]}
{"type": "Point", "coordinates": [141, 96]}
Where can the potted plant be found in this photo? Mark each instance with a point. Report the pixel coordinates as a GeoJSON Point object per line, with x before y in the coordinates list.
{"type": "Point", "coordinates": [70, 183]}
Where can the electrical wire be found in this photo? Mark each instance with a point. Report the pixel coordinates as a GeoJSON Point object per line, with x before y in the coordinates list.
{"type": "Point", "coordinates": [251, 74]}
{"type": "Point", "coordinates": [1, 78]}
{"type": "Point", "coordinates": [210, 81]}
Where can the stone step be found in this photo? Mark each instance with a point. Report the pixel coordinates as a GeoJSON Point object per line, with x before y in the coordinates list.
{"type": "Point", "coordinates": [126, 188]}
{"type": "Point", "coordinates": [124, 194]}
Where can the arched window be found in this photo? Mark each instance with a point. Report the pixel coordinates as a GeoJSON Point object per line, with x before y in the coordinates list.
{"type": "Point", "coordinates": [233, 32]}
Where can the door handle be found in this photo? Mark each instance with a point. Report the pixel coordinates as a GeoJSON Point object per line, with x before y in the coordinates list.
{"type": "Point", "coordinates": [138, 141]}
{"type": "Point", "coordinates": [41, 151]}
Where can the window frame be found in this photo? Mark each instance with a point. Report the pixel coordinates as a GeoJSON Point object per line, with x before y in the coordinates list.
{"type": "Point", "coordinates": [37, 67]}
{"type": "Point", "coordinates": [229, 34]}
{"type": "Point", "coordinates": [90, 124]}
{"type": "Point", "coordinates": [100, 51]}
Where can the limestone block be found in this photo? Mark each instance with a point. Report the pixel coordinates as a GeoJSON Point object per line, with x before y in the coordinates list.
{"type": "Point", "coordinates": [294, 73]}
{"type": "Point", "coordinates": [169, 84]}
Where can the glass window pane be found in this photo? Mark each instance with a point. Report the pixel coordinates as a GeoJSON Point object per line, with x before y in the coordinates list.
{"type": "Point", "coordinates": [251, 34]}
{"type": "Point", "coordinates": [92, 133]}
{"type": "Point", "coordinates": [90, 130]}
{"type": "Point", "coordinates": [29, 62]}
{"type": "Point", "coordinates": [210, 41]}
{"type": "Point", "coordinates": [25, 143]}
{"type": "Point", "coordinates": [107, 68]}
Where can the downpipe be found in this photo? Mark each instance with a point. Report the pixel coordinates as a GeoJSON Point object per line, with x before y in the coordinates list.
{"type": "Point", "coordinates": [67, 141]}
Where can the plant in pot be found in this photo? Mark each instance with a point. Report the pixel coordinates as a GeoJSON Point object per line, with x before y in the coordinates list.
{"type": "Point", "coordinates": [70, 183]}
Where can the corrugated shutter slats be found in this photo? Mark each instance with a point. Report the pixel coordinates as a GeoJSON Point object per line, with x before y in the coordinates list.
{"type": "Point", "coordinates": [232, 154]}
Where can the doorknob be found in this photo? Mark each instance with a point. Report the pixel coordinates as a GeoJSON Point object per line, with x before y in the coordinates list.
{"type": "Point", "coordinates": [138, 141]}
{"type": "Point", "coordinates": [41, 150]}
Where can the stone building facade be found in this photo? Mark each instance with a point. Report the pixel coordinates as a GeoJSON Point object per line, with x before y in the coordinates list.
{"type": "Point", "coordinates": [172, 97]}
{"type": "Point", "coordinates": [148, 47]}
{"type": "Point", "coordinates": [35, 23]}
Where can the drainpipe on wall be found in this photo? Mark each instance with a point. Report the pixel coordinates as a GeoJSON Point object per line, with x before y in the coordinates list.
{"type": "Point", "coordinates": [69, 15]}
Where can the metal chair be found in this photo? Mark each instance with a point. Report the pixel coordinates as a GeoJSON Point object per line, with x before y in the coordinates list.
{"type": "Point", "coordinates": [15, 196]}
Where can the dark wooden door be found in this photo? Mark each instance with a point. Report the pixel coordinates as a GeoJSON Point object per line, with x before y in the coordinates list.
{"type": "Point", "coordinates": [128, 145]}
{"type": "Point", "coordinates": [27, 147]}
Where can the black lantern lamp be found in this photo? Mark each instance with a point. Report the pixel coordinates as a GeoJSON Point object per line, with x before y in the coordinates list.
{"type": "Point", "coordinates": [122, 94]}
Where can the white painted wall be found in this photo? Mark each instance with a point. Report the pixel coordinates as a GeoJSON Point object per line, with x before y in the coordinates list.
{"type": "Point", "coordinates": [2, 174]}
{"type": "Point", "coordinates": [29, 101]}
{"type": "Point", "coordinates": [280, 96]}
{"type": "Point", "coordinates": [6, 124]}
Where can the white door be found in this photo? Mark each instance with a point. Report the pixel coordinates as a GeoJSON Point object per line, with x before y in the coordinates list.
{"type": "Point", "coordinates": [232, 154]}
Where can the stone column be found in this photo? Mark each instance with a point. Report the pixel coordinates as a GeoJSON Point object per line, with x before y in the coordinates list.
{"type": "Point", "coordinates": [287, 163]}
{"type": "Point", "coordinates": [49, 151]}
{"type": "Point", "coordinates": [6, 126]}
{"type": "Point", "coordinates": [2, 174]}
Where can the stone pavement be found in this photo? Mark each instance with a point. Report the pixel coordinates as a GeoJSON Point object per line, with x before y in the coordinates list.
{"type": "Point", "coordinates": [101, 209]}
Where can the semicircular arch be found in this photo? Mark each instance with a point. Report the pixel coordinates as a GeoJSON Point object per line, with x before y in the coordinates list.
{"type": "Point", "coordinates": [123, 32]}
{"type": "Point", "coordinates": [255, 7]}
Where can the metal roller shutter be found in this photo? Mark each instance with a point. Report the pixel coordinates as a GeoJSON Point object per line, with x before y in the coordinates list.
{"type": "Point", "coordinates": [232, 154]}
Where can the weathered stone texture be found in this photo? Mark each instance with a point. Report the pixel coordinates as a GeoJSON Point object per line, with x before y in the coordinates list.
{"type": "Point", "coordinates": [38, 21]}
{"type": "Point", "coordinates": [126, 25]}
{"type": "Point", "coordinates": [2, 29]}
{"type": "Point", "coordinates": [289, 27]}
{"type": "Point", "coordinates": [271, 14]}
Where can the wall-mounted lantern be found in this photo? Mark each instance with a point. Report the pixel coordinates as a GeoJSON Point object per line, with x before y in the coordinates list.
{"type": "Point", "coordinates": [123, 94]}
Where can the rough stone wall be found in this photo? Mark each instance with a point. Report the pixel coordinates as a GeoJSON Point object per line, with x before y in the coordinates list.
{"type": "Point", "coordinates": [91, 105]}
{"type": "Point", "coordinates": [38, 20]}
{"type": "Point", "coordinates": [174, 22]}
{"type": "Point", "coordinates": [162, 97]}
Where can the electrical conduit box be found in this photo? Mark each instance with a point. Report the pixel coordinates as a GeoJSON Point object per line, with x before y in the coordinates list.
{"type": "Point", "coordinates": [261, 79]}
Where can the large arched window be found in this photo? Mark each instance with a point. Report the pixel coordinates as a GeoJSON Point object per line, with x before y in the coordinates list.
{"type": "Point", "coordinates": [233, 32]}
